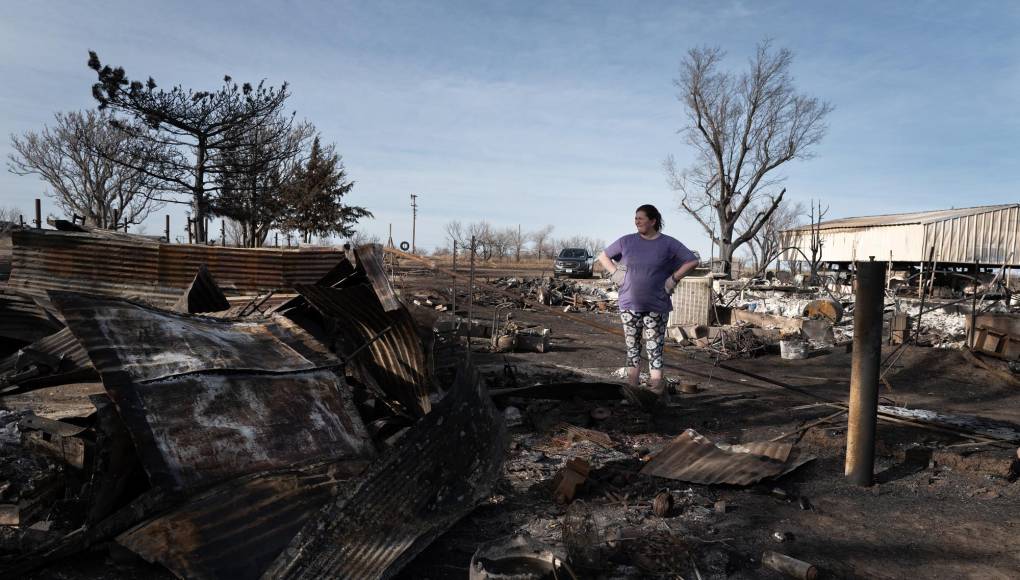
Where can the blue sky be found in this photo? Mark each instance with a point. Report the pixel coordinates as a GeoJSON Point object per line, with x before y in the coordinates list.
{"type": "Point", "coordinates": [559, 113]}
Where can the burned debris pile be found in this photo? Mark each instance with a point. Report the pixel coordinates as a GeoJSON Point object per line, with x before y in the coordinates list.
{"type": "Point", "coordinates": [305, 437]}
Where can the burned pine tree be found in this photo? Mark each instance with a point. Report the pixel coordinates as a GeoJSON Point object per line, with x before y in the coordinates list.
{"type": "Point", "coordinates": [181, 133]}
{"type": "Point", "coordinates": [256, 170]}
{"type": "Point", "coordinates": [743, 128]}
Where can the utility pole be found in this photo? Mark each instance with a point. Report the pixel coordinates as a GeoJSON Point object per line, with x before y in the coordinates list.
{"type": "Point", "coordinates": [414, 221]}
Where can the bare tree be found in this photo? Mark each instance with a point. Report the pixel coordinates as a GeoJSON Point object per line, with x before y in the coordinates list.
{"type": "Point", "coordinates": [502, 242]}
{"type": "Point", "coordinates": [82, 158]}
{"type": "Point", "coordinates": [743, 128]}
{"type": "Point", "coordinates": [454, 232]}
{"type": "Point", "coordinates": [360, 238]}
{"type": "Point", "coordinates": [541, 238]}
{"type": "Point", "coordinates": [482, 233]}
{"type": "Point", "coordinates": [517, 241]}
{"type": "Point", "coordinates": [766, 245]}
{"type": "Point", "coordinates": [9, 216]}
{"type": "Point", "coordinates": [817, 215]}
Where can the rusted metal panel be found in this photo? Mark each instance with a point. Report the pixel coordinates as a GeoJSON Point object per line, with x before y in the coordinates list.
{"type": "Point", "coordinates": [202, 295]}
{"type": "Point", "coordinates": [236, 530]}
{"type": "Point", "coordinates": [394, 355]}
{"type": "Point", "coordinates": [447, 464]}
{"type": "Point", "coordinates": [206, 400]}
{"type": "Point", "coordinates": [142, 268]}
{"type": "Point", "coordinates": [694, 458]}
{"type": "Point", "coordinates": [121, 265]}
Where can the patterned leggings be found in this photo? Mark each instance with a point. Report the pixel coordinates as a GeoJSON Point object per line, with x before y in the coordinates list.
{"type": "Point", "coordinates": [648, 328]}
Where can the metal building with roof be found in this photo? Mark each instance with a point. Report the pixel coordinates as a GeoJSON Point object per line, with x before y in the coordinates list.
{"type": "Point", "coordinates": [986, 235]}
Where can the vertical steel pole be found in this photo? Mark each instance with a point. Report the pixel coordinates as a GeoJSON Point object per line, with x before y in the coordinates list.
{"type": "Point", "coordinates": [471, 297]}
{"type": "Point", "coordinates": [455, 277]}
{"type": "Point", "coordinates": [864, 372]}
{"type": "Point", "coordinates": [168, 228]}
{"type": "Point", "coordinates": [38, 213]}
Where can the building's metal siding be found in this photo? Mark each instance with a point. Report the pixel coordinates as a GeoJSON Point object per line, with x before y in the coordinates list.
{"type": "Point", "coordinates": [959, 237]}
{"type": "Point", "coordinates": [987, 238]}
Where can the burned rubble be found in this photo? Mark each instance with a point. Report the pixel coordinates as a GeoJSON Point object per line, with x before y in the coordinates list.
{"type": "Point", "coordinates": [384, 422]}
{"type": "Point", "coordinates": [203, 437]}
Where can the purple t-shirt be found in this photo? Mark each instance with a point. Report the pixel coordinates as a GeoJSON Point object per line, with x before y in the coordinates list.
{"type": "Point", "coordinates": [649, 263]}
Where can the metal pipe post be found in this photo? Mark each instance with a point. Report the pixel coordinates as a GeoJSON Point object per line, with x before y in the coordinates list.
{"type": "Point", "coordinates": [471, 297]}
{"type": "Point", "coordinates": [168, 228]}
{"type": "Point", "coordinates": [864, 373]}
{"type": "Point", "coordinates": [38, 213]}
{"type": "Point", "coordinates": [454, 309]}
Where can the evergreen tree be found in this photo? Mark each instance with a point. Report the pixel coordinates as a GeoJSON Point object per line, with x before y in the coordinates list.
{"type": "Point", "coordinates": [314, 195]}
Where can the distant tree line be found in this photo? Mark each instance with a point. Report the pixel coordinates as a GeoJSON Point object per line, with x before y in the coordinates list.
{"type": "Point", "coordinates": [233, 152]}
{"type": "Point", "coordinates": [511, 243]}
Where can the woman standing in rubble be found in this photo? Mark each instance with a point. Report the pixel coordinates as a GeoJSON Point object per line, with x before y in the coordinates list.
{"type": "Point", "coordinates": [646, 267]}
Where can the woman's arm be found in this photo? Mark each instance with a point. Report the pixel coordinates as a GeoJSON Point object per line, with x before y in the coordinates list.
{"type": "Point", "coordinates": [684, 269]}
{"type": "Point", "coordinates": [608, 265]}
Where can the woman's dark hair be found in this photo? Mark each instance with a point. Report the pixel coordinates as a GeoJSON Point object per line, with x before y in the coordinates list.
{"type": "Point", "coordinates": [651, 213]}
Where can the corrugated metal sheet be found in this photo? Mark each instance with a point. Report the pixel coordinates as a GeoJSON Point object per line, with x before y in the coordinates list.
{"type": "Point", "coordinates": [987, 235]}
{"type": "Point", "coordinates": [987, 238]}
{"type": "Point", "coordinates": [396, 357]}
{"type": "Point", "coordinates": [22, 318]}
{"type": "Point", "coordinates": [236, 530]}
{"type": "Point", "coordinates": [75, 365]}
{"type": "Point", "coordinates": [447, 464]}
{"type": "Point", "coordinates": [370, 260]}
{"type": "Point", "coordinates": [140, 268]}
{"type": "Point", "coordinates": [692, 302]}
{"type": "Point", "coordinates": [206, 400]}
{"type": "Point", "coordinates": [694, 458]}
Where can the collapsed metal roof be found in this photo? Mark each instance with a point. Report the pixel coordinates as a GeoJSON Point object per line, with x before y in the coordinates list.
{"type": "Point", "coordinates": [395, 357]}
{"type": "Point", "coordinates": [206, 399]}
{"type": "Point", "coordinates": [447, 464]}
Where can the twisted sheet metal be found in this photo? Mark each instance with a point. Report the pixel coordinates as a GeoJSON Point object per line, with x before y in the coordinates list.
{"type": "Point", "coordinates": [75, 365]}
{"type": "Point", "coordinates": [693, 458]}
{"type": "Point", "coordinates": [22, 318]}
{"type": "Point", "coordinates": [446, 464]}
{"type": "Point", "coordinates": [396, 358]}
{"type": "Point", "coordinates": [142, 268]}
{"type": "Point", "coordinates": [236, 529]}
{"type": "Point", "coordinates": [206, 400]}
